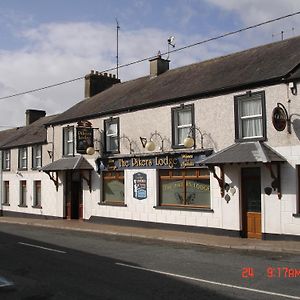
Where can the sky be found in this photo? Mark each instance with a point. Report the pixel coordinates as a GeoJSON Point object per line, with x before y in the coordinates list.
{"type": "Point", "coordinates": [43, 42]}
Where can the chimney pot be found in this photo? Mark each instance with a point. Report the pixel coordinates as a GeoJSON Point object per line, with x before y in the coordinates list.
{"type": "Point", "coordinates": [92, 71]}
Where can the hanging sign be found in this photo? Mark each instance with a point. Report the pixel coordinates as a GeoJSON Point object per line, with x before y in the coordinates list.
{"type": "Point", "coordinates": [279, 118]}
{"type": "Point", "coordinates": [140, 186]}
{"type": "Point", "coordinates": [84, 139]}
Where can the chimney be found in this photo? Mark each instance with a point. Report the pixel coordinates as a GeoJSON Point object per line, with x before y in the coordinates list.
{"type": "Point", "coordinates": [96, 82]}
{"type": "Point", "coordinates": [158, 65]}
{"type": "Point", "coordinates": [33, 115]}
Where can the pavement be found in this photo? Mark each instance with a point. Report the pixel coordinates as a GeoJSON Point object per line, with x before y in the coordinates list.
{"type": "Point", "coordinates": [162, 235]}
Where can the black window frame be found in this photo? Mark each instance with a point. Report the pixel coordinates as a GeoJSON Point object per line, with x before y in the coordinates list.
{"type": "Point", "coordinates": [34, 156]}
{"type": "Point", "coordinates": [107, 123]}
{"type": "Point", "coordinates": [237, 120]}
{"type": "Point", "coordinates": [23, 200]}
{"type": "Point", "coordinates": [4, 160]}
{"type": "Point", "coordinates": [6, 193]}
{"type": "Point", "coordinates": [67, 129]}
{"type": "Point", "coordinates": [20, 159]}
{"type": "Point", "coordinates": [36, 203]}
{"type": "Point", "coordinates": [174, 113]}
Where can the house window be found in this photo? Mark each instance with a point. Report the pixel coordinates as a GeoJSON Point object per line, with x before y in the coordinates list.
{"type": "Point", "coordinates": [6, 193]}
{"type": "Point", "coordinates": [36, 156]}
{"type": "Point", "coordinates": [184, 188]}
{"type": "Point", "coordinates": [37, 199]}
{"type": "Point", "coordinates": [6, 160]}
{"type": "Point", "coordinates": [111, 127]}
{"type": "Point", "coordinates": [182, 122]}
{"type": "Point", "coordinates": [23, 158]}
{"type": "Point", "coordinates": [68, 141]}
{"type": "Point", "coordinates": [23, 193]}
{"type": "Point", "coordinates": [250, 116]}
{"type": "Point", "coordinates": [113, 188]}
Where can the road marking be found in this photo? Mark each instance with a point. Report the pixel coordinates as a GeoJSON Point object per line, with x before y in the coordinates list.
{"type": "Point", "coordinates": [40, 247]}
{"type": "Point", "coordinates": [4, 282]}
{"type": "Point", "coordinates": [209, 282]}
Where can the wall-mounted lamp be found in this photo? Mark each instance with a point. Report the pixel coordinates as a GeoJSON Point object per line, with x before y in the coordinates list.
{"type": "Point", "coordinates": [150, 145]}
{"type": "Point", "coordinates": [293, 88]}
{"type": "Point", "coordinates": [189, 141]}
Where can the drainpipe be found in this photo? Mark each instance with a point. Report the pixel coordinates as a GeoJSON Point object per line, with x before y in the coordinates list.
{"type": "Point", "coordinates": [1, 185]}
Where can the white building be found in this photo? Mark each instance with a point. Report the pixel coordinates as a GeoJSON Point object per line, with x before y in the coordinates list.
{"type": "Point", "coordinates": [210, 147]}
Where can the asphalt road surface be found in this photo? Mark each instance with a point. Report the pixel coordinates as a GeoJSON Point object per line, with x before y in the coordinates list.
{"type": "Point", "coordinates": [41, 264]}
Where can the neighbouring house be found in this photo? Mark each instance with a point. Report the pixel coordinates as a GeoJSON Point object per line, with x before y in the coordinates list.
{"type": "Point", "coordinates": [209, 147]}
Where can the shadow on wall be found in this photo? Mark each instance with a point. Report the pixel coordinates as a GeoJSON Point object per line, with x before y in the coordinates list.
{"type": "Point", "coordinates": [296, 127]}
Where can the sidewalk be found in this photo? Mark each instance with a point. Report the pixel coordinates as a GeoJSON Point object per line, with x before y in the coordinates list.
{"type": "Point", "coordinates": [165, 235]}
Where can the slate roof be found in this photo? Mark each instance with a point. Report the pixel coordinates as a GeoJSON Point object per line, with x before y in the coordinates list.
{"type": "Point", "coordinates": [35, 133]}
{"type": "Point", "coordinates": [249, 152]}
{"type": "Point", "coordinates": [261, 65]}
{"type": "Point", "coordinates": [68, 163]}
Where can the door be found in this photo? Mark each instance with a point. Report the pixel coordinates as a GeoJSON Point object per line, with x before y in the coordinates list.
{"type": "Point", "coordinates": [73, 194]}
{"type": "Point", "coordinates": [251, 203]}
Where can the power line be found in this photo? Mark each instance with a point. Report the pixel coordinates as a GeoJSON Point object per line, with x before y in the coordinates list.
{"type": "Point", "coordinates": [151, 57]}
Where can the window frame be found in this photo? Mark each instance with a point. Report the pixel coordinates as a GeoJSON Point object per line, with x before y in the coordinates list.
{"type": "Point", "coordinates": [22, 159]}
{"type": "Point", "coordinates": [238, 119]}
{"type": "Point", "coordinates": [112, 175]}
{"type": "Point", "coordinates": [184, 177]}
{"type": "Point", "coordinates": [5, 193]}
{"type": "Point", "coordinates": [175, 127]}
{"type": "Point", "coordinates": [107, 123]}
{"type": "Point", "coordinates": [23, 194]}
{"type": "Point", "coordinates": [37, 201]}
{"type": "Point", "coordinates": [6, 161]}
{"type": "Point", "coordinates": [35, 157]}
{"type": "Point", "coordinates": [66, 131]}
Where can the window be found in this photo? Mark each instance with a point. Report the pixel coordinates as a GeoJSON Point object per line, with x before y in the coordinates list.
{"type": "Point", "coordinates": [23, 158]}
{"type": "Point", "coordinates": [185, 188]}
{"type": "Point", "coordinates": [111, 127]}
{"type": "Point", "coordinates": [36, 156]}
{"type": "Point", "coordinates": [37, 197]}
{"type": "Point", "coordinates": [250, 116]}
{"type": "Point", "coordinates": [6, 160]}
{"type": "Point", "coordinates": [6, 193]}
{"type": "Point", "coordinates": [113, 187]}
{"type": "Point", "coordinates": [23, 193]}
{"type": "Point", "coordinates": [68, 141]}
{"type": "Point", "coordinates": [182, 122]}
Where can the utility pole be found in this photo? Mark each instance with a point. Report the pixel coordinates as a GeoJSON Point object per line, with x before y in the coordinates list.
{"type": "Point", "coordinates": [118, 27]}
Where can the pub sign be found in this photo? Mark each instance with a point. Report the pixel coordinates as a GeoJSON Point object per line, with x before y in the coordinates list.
{"type": "Point", "coordinates": [84, 139]}
{"type": "Point", "coordinates": [140, 186]}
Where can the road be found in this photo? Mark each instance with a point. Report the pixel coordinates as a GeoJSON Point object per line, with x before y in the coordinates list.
{"type": "Point", "coordinates": [43, 263]}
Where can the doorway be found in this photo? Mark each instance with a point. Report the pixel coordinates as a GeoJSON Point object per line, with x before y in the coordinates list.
{"type": "Point", "coordinates": [251, 203]}
{"type": "Point", "coordinates": [73, 194]}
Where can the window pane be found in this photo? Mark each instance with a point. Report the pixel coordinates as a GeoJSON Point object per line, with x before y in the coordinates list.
{"type": "Point", "coordinates": [113, 190]}
{"type": "Point", "coordinates": [184, 117]}
{"type": "Point", "coordinates": [112, 129]}
{"type": "Point", "coordinates": [37, 196]}
{"type": "Point", "coordinates": [182, 134]}
{"type": "Point", "coordinates": [252, 127]}
{"type": "Point", "coordinates": [198, 192]}
{"type": "Point", "coordinates": [171, 192]}
{"type": "Point", "coordinates": [251, 107]}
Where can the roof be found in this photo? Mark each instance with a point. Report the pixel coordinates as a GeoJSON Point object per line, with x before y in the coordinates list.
{"type": "Point", "coordinates": [68, 163]}
{"type": "Point", "coordinates": [260, 65]}
{"type": "Point", "coordinates": [35, 133]}
{"type": "Point", "coordinates": [249, 152]}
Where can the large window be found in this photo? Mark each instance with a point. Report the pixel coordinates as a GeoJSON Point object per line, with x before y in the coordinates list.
{"type": "Point", "coordinates": [185, 188]}
{"type": "Point", "coordinates": [37, 198]}
{"type": "Point", "coordinates": [6, 160]}
{"type": "Point", "coordinates": [23, 158]}
{"type": "Point", "coordinates": [111, 127]}
{"type": "Point", "coordinates": [68, 141]}
{"type": "Point", "coordinates": [23, 193]}
{"type": "Point", "coordinates": [113, 188]}
{"type": "Point", "coordinates": [36, 156]}
{"type": "Point", "coordinates": [250, 116]}
{"type": "Point", "coordinates": [6, 193]}
{"type": "Point", "coordinates": [182, 122]}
